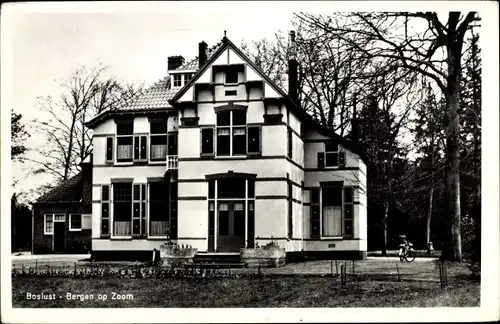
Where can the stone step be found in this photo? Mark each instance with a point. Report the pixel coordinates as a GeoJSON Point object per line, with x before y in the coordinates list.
{"type": "Point", "coordinates": [215, 265]}
{"type": "Point", "coordinates": [216, 258]}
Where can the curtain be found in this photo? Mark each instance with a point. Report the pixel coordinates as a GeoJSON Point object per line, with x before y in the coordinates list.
{"type": "Point", "coordinates": [332, 220]}
{"type": "Point", "coordinates": [124, 151]}
{"type": "Point", "coordinates": [158, 151]}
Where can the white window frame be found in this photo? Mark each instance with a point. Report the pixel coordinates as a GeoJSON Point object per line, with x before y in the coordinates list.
{"type": "Point", "coordinates": [230, 127]}
{"type": "Point", "coordinates": [174, 81]}
{"type": "Point", "coordinates": [71, 229]}
{"type": "Point", "coordinates": [231, 83]}
{"type": "Point", "coordinates": [133, 145]}
{"type": "Point", "coordinates": [45, 232]}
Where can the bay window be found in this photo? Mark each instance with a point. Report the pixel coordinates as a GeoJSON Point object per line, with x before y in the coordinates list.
{"type": "Point", "coordinates": [158, 209]}
{"type": "Point", "coordinates": [331, 211]}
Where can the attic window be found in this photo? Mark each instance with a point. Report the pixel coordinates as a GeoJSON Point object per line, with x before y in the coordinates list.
{"type": "Point", "coordinates": [187, 78]}
{"type": "Point", "coordinates": [177, 80]}
{"type": "Point", "coordinates": [232, 76]}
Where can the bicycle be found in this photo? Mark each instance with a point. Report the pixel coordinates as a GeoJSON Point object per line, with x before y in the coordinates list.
{"type": "Point", "coordinates": [407, 252]}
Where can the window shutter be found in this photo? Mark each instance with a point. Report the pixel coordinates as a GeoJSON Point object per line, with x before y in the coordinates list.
{"type": "Point", "coordinates": [144, 147]}
{"type": "Point", "coordinates": [207, 141]}
{"type": "Point", "coordinates": [86, 221]}
{"type": "Point", "coordinates": [109, 149]}
{"type": "Point", "coordinates": [314, 213]}
{"type": "Point", "coordinates": [136, 148]}
{"type": "Point", "coordinates": [321, 160]}
{"type": "Point", "coordinates": [253, 139]}
{"type": "Point", "coordinates": [342, 159]}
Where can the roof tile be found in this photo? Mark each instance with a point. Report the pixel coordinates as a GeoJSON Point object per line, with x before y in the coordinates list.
{"type": "Point", "coordinates": [68, 191]}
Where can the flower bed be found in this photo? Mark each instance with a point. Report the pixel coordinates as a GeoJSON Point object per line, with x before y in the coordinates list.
{"type": "Point", "coordinates": [268, 256]}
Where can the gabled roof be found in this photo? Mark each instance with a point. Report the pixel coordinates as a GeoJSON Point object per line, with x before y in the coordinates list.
{"type": "Point", "coordinates": [69, 191]}
{"type": "Point", "coordinates": [226, 43]}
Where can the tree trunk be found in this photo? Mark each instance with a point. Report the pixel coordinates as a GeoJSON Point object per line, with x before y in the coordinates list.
{"type": "Point", "coordinates": [429, 216]}
{"type": "Point", "coordinates": [384, 227]}
{"type": "Point", "coordinates": [452, 248]}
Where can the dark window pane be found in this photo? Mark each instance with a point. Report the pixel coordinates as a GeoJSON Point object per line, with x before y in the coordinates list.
{"type": "Point", "coordinates": [105, 193]}
{"type": "Point", "coordinates": [158, 211]}
{"type": "Point", "coordinates": [331, 147]}
{"type": "Point", "coordinates": [137, 210]}
{"type": "Point", "coordinates": [109, 149]}
{"type": "Point", "coordinates": [239, 117]}
{"type": "Point", "coordinates": [251, 189]}
{"type": "Point", "coordinates": [231, 188]}
{"type": "Point", "coordinates": [348, 193]}
{"type": "Point", "coordinates": [253, 139]}
{"type": "Point", "coordinates": [211, 189]}
{"type": "Point", "coordinates": [315, 224]}
{"type": "Point", "coordinates": [158, 127]}
{"type": "Point", "coordinates": [332, 159]}
{"type": "Point", "coordinates": [122, 211]}
{"type": "Point", "coordinates": [348, 228]}
{"type": "Point", "coordinates": [143, 210]}
{"type": "Point", "coordinates": [144, 145]}
{"type": "Point", "coordinates": [122, 192]}
{"type": "Point", "coordinates": [232, 76]}
{"type": "Point", "coordinates": [172, 144]}
{"type": "Point", "coordinates": [315, 195]}
{"type": "Point", "coordinates": [127, 140]}
{"type": "Point", "coordinates": [157, 191]}
{"type": "Point", "coordinates": [159, 140]}
{"type": "Point", "coordinates": [223, 140]}
{"type": "Point", "coordinates": [332, 196]}
{"type": "Point", "coordinates": [125, 128]}
{"type": "Point", "coordinates": [207, 140]}
{"type": "Point", "coordinates": [136, 226]}
{"type": "Point", "coordinates": [223, 118]}
{"type": "Point", "coordinates": [105, 226]}
{"type": "Point", "coordinates": [223, 223]}
{"type": "Point", "coordinates": [136, 147]}
{"type": "Point", "coordinates": [137, 192]}
{"type": "Point", "coordinates": [290, 143]}
{"type": "Point", "coordinates": [239, 141]}
{"type": "Point", "coordinates": [105, 210]}
{"type": "Point", "coordinates": [143, 191]}
{"type": "Point", "coordinates": [239, 222]}
{"type": "Point", "coordinates": [321, 160]}
{"type": "Point", "coordinates": [348, 211]}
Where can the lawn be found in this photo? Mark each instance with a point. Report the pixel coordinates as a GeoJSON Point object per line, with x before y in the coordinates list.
{"type": "Point", "coordinates": [269, 291]}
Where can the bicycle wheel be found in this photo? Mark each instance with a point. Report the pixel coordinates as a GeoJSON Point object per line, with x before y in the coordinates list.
{"type": "Point", "coordinates": [410, 255]}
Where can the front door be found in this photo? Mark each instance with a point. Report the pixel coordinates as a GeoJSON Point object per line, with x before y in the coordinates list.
{"type": "Point", "coordinates": [231, 226]}
{"type": "Point", "coordinates": [59, 237]}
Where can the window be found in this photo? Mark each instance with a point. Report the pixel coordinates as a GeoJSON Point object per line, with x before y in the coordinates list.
{"type": "Point", "coordinates": [331, 157]}
{"type": "Point", "coordinates": [122, 208]}
{"type": "Point", "coordinates": [331, 201]}
{"type": "Point", "coordinates": [158, 209]}
{"type": "Point", "coordinates": [231, 133]}
{"type": "Point", "coordinates": [232, 76]}
{"type": "Point", "coordinates": [75, 222]}
{"type": "Point", "coordinates": [109, 149]}
{"type": "Point", "coordinates": [177, 80]}
{"type": "Point", "coordinates": [105, 231]}
{"type": "Point", "coordinates": [139, 210]}
{"type": "Point", "coordinates": [290, 142]}
{"type": "Point", "coordinates": [331, 154]}
{"type": "Point", "coordinates": [230, 93]}
{"type": "Point", "coordinates": [49, 219]}
{"type": "Point", "coordinates": [187, 78]}
{"type": "Point", "coordinates": [86, 221]}
{"type": "Point", "coordinates": [315, 213]}
{"type": "Point", "coordinates": [158, 137]}
{"type": "Point", "coordinates": [48, 224]}
{"type": "Point", "coordinates": [124, 139]}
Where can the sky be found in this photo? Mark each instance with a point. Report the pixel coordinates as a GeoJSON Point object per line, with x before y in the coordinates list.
{"type": "Point", "coordinates": [135, 46]}
{"type": "Point", "coordinates": [46, 42]}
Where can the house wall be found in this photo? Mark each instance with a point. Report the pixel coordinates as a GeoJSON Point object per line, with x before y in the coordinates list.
{"type": "Point", "coordinates": [44, 243]}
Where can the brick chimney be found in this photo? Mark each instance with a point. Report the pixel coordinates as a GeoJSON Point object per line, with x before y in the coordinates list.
{"type": "Point", "coordinates": [202, 54]}
{"type": "Point", "coordinates": [354, 122]}
{"type": "Point", "coordinates": [174, 62]}
{"type": "Point", "coordinates": [292, 69]}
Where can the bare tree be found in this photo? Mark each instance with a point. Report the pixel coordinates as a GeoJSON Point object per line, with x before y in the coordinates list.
{"type": "Point", "coordinates": [67, 141]}
{"type": "Point", "coordinates": [422, 43]}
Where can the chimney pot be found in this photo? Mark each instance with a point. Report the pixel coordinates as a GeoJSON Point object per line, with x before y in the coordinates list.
{"type": "Point", "coordinates": [202, 54]}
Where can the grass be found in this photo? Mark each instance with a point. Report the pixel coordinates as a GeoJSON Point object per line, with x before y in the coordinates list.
{"type": "Point", "coordinates": [268, 291]}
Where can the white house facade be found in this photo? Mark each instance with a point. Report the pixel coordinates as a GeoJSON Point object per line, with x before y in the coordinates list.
{"type": "Point", "coordinates": [218, 157]}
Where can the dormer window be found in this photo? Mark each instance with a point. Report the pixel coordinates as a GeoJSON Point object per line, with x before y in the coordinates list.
{"type": "Point", "coordinates": [177, 80]}
{"type": "Point", "coordinates": [187, 78]}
